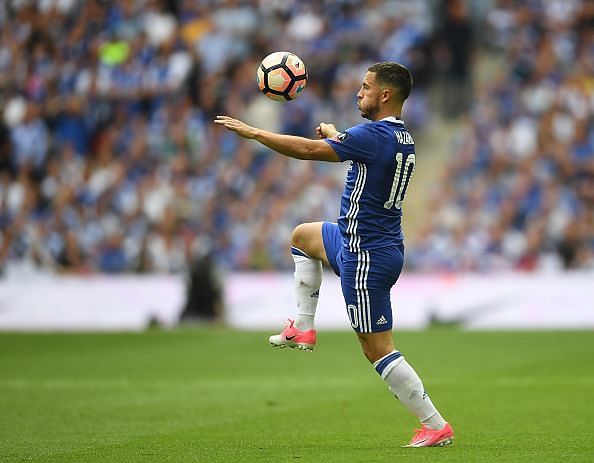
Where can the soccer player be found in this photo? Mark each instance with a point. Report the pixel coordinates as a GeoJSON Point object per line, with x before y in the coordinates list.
{"type": "Point", "coordinates": [365, 248]}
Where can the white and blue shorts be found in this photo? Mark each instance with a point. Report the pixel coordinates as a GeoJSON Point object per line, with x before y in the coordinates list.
{"type": "Point", "coordinates": [366, 278]}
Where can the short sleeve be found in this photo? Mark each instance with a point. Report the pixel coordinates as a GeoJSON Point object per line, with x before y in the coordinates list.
{"type": "Point", "coordinates": [359, 143]}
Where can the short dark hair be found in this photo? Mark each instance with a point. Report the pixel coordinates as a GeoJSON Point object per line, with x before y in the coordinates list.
{"type": "Point", "coordinates": [394, 75]}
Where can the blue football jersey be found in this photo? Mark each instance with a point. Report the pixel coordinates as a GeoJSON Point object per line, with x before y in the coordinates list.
{"type": "Point", "coordinates": [382, 160]}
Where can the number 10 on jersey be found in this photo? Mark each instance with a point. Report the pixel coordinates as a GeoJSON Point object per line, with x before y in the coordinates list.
{"type": "Point", "coordinates": [404, 170]}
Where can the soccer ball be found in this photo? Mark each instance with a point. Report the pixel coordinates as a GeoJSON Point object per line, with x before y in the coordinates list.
{"type": "Point", "coordinates": [282, 76]}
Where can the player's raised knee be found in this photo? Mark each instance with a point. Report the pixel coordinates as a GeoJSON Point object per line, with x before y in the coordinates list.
{"type": "Point", "coordinates": [301, 237]}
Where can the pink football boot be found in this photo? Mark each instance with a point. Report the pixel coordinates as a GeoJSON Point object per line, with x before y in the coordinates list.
{"type": "Point", "coordinates": [292, 337]}
{"type": "Point", "coordinates": [432, 438]}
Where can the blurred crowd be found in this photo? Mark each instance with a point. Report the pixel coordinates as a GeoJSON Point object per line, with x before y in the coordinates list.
{"type": "Point", "coordinates": [109, 161]}
{"type": "Point", "coordinates": [519, 192]}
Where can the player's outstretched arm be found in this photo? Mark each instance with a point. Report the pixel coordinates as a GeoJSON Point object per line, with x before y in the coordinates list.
{"type": "Point", "coordinates": [288, 145]}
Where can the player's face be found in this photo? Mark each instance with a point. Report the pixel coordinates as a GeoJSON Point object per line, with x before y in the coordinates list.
{"type": "Point", "coordinates": [368, 97]}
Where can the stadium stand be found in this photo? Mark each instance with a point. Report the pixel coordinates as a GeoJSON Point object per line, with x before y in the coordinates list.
{"type": "Point", "coordinates": [519, 190]}
{"type": "Point", "coordinates": [109, 161]}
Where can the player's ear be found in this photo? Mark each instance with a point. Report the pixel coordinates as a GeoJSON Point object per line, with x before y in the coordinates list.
{"type": "Point", "coordinates": [386, 95]}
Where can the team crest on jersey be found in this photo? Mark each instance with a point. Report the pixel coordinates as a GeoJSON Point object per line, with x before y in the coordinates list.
{"type": "Point", "coordinates": [341, 136]}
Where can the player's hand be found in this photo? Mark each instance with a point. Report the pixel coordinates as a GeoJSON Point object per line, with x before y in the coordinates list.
{"type": "Point", "coordinates": [326, 130]}
{"type": "Point", "coordinates": [240, 128]}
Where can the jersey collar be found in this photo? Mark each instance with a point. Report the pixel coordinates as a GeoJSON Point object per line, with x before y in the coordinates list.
{"type": "Point", "coordinates": [394, 119]}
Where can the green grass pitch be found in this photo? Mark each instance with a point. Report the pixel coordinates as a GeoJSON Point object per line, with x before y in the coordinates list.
{"type": "Point", "coordinates": [215, 395]}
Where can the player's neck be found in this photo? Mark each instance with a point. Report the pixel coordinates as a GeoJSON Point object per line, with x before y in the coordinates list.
{"type": "Point", "coordinates": [389, 112]}
{"type": "Point", "coordinates": [387, 117]}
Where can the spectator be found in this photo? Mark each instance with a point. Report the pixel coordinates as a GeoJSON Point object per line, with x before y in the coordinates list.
{"type": "Point", "coordinates": [109, 160]}
{"type": "Point", "coordinates": [525, 161]}
{"type": "Point", "coordinates": [453, 51]}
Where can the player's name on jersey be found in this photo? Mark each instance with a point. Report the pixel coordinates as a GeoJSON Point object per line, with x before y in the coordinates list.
{"type": "Point", "coordinates": [404, 138]}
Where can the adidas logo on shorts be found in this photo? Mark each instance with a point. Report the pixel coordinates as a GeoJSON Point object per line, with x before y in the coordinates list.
{"type": "Point", "coordinates": [381, 321]}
